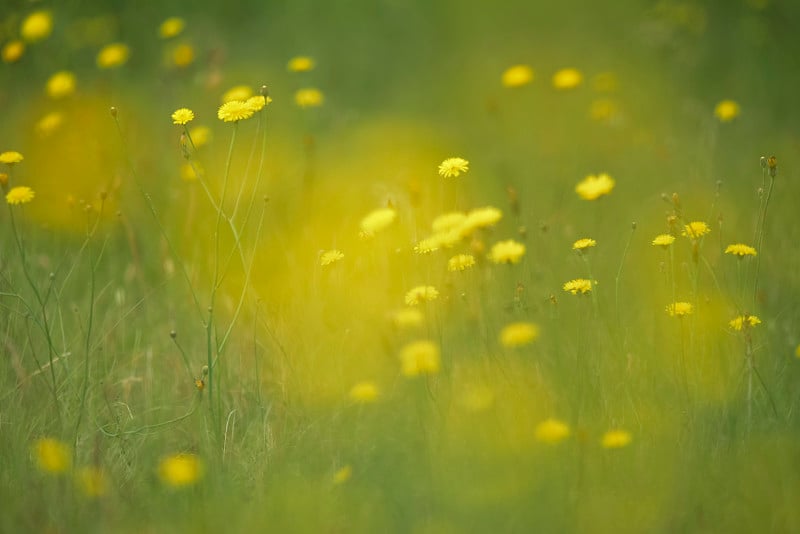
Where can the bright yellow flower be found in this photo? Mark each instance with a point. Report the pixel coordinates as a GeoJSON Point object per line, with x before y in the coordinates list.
{"type": "Point", "coordinates": [20, 195]}
{"type": "Point", "coordinates": [460, 262]}
{"type": "Point", "coordinates": [508, 251]}
{"type": "Point", "coordinates": [727, 110]}
{"type": "Point", "coordinates": [364, 392]}
{"type": "Point", "coordinates": [309, 97]}
{"type": "Point", "coordinates": [52, 455]}
{"type": "Point", "coordinates": [92, 481]}
{"type": "Point", "coordinates": [182, 116]}
{"type": "Point", "coordinates": [519, 334]}
{"type": "Point", "coordinates": [421, 294]}
{"type": "Point", "coordinates": [238, 92]}
{"type": "Point", "coordinates": [593, 187]}
{"type": "Point", "coordinates": [453, 167]}
{"type": "Point", "coordinates": [616, 439]}
{"type": "Point", "coordinates": [113, 56]}
{"type": "Point", "coordinates": [171, 27]}
{"type": "Point", "coordinates": [37, 26]}
{"type": "Point", "coordinates": [407, 318]}
{"type": "Point", "coordinates": [552, 431]}
{"type": "Point", "coordinates": [517, 76]}
{"type": "Point", "coordinates": [258, 102]}
{"type": "Point", "coordinates": [300, 64]}
{"type": "Point", "coordinates": [180, 470]}
{"type": "Point", "coordinates": [740, 250]}
{"type": "Point", "coordinates": [234, 111]}
{"type": "Point", "coordinates": [61, 84]}
{"type": "Point", "coordinates": [12, 51]}
{"type": "Point", "coordinates": [377, 220]}
{"type": "Point", "coordinates": [49, 123]}
{"type": "Point", "coordinates": [663, 240]}
{"type": "Point", "coordinates": [183, 55]}
{"type": "Point", "coordinates": [567, 79]}
{"type": "Point", "coordinates": [11, 157]}
{"type": "Point", "coordinates": [342, 475]}
{"type": "Point", "coordinates": [695, 229]}
{"type": "Point", "coordinates": [579, 285]}
{"type": "Point", "coordinates": [744, 321]}
{"type": "Point", "coordinates": [480, 218]}
{"type": "Point", "coordinates": [583, 244]}
{"type": "Point", "coordinates": [330, 256]}
{"type": "Point", "coordinates": [420, 358]}
{"type": "Point", "coordinates": [427, 245]}
{"type": "Point", "coordinates": [680, 309]}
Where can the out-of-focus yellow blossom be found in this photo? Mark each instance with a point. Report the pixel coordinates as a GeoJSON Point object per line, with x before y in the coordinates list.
{"type": "Point", "coordinates": [113, 56]}
{"type": "Point", "coordinates": [680, 309]}
{"type": "Point", "coordinates": [377, 220]}
{"type": "Point", "coordinates": [508, 251]}
{"type": "Point", "coordinates": [238, 92]}
{"type": "Point", "coordinates": [92, 481]}
{"type": "Point", "coordinates": [330, 256]}
{"type": "Point", "coordinates": [552, 431]}
{"type": "Point", "coordinates": [566, 79]}
{"type": "Point", "coordinates": [342, 475]}
{"type": "Point", "coordinates": [188, 173]}
{"type": "Point", "coordinates": [300, 64]}
{"type": "Point", "coordinates": [200, 135]}
{"type": "Point", "coordinates": [421, 294]}
{"type": "Point", "coordinates": [727, 110]}
{"type": "Point", "coordinates": [61, 84]}
{"type": "Point", "coordinates": [180, 470]}
{"type": "Point", "coordinates": [447, 221]}
{"type": "Point", "coordinates": [593, 187]}
{"type": "Point", "coordinates": [12, 51]}
{"type": "Point", "coordinates": [519, 334]}
{"type": "Point", "coordinates": [603, 109]}
{"type": "Point", "coordinates": [583, 244]}
{"type": "Point", "coordinates": [172, 27]}
{"type": "Point", "coordinates": [480, 218]}
{"type": "Point", "coordinates": [616, 439]}
{"type": "Point", "coordinates": [309, 97]}
{"type": "Point", "coordinates": [407, 318]}
{"type": "Point", "coordinates": [743, 322]}
{"type": "Point", "coordinates": [183, 55]}
{"type": "Point", "coordinates": [10, 157]}
{"type": "Point", "coordinates": [420, 358]}
{"type": "Point", "coordinates": [52, 456]}
{"type": "Point", "coordinates": [37, 26]}
{"type": "Point", "coordinates": [48, 124]}
{"type": "Point", "coordinates": [258, 102]}
{"type": "Point", "coordinates": [364, 392]}
{"type": "Point", "coordinates": [517, 76]}
{"type": "Point", "coordinates": [460, 262]}
{"type": "Point", "coordinates": [663, 240]}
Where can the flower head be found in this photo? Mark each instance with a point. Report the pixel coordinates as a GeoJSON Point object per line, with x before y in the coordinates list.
{"type": "Point", "coordinates": [517, 76]}
{"type": "Point", "coordinates": [330, 256]}
{"type": "Point", "coordinates": [182, 116]}
{"type": "Point", "coordinates": [480, 218]}
{"type": "Point", "coordinates": [616, 439]}
{"type": "Point", "coordinates": [740, 250]}
{"type": "Point", "coordinates": [183, 55]}
{"type": "Point", "coordinates": [257, 102]}
{"type": "Point", "coordinates": [427, 245]}
{"type": "Point", "coordinates": [49, 123]}
{"type": "Point", "coordinates": [52, 455]}
{"type": "Point", "coordinates": [20, 195]}
{"type": "Point", "coordinates": [37, 26]}
{"type": "Point", "coordinates": [593, 187]}
{"type": "Point", "coordinates": [567, 79]}
{"type": "Point", "coordinates": [460, 262]}
{"type": "Point", "coordinates": [377, 220]}
{"type": "Point", "coordinates": [113, 56]}
{"type": "Point", "coordinates": [61, 84]}
{"type": "Point", "coordinates": [453, 167]}
{"type": "Point", "coordinates": [180, 470]}
{"type": "Point", "coordinates": [420, 358]}
{"type": "Point", "coordinates": [663, 240]}
{"type": "Point", "coordinates": [237, 92]}
{"type": "Point", "coordinates": [300, 64]}
{"type": "Point", "coordinates": [695, 229]}
{"type": "Point", "coordinates": [364, 392]}
{"type": "Point", "coordinates": [743, 322]}
{"type": "Point", "coordinates": [583, 244]}
{"type": "Point", "coordinates": [680, 309]}
{"type": "Point", "coordinates": [172, 27]}
{"type": "Point", "coordinates": [508, 251]}
{"type": "Point", "coordinates": [421, 294]}
{"type": "Point", "coordinates": [234, 111]}
{"type": "Point", "coordinates": [309, 97]}
{"type": "Point", "coordinates": [579, 285]}
{"type": "Point", "coordinates": [10, 157]}
{"type": "Point", "coordinates": [200, 135]}
{"type": "Point", "coordinates": [727, 110]}
{"type": "Point", "coordinates": [12, 51]}
{"type": "Point", "coordinates": [552, 431]}
{"type": "Point", "coordinates": [448, 221]}
{"type": "Point", "coordinates": [518, 334]}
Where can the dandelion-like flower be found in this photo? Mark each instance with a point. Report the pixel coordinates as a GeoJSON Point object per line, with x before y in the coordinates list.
{"type": "Point", "coordinates": [448, 221]}
{"type": "Point", "coordinates": [182, 116]}
{"type": "Point", "coordinates": [172, 27]}
{"type": "Point", "coordinates": [364, 392]}
{"type": "Point", "coordinates": [421, 294]}
{"type": "Point", "coordinates": [37, 26]}
{"type": "Point", "coordinates": [309, 97]}
{"type": "Point", "coordinates": [517, 76]}
{"type": "Point", "coordinates": [258, 102]}
{"type": "Point", "coordinates": [552, 431]}
{"type": "Point", "coordinates": [11, 157]}
{"type": "Point", "coordinates": [12, 51]}
{"type": "Point", "coordinates": [300, 64]}
{"type": "Point", "coordinates": [663, 240]}
{"type": "Point", "coordinates": [508, 251]}
{"type": "Point", "coordinates": [460, 262]}
{"type": "Point", "coordinates": [583, 244]}
{"type": "Point", "coordinates": [92, 481]}
{"type": "Point", "coordinates": [579, 285]}
{"type": "Point", "coordinates": [727, 110]}
{"type": "Point", "coordinates": [695, 230]}
{"type": "Point", "coordinates": [237, 92]}
{"type": "Point", "coordinates": [330, 256]}
{"type": "Point", "coordinates": [616, 439]}
{"type": "Point", "coordinates": [377, 220]}
{"type": "Point", "coordinates": [20, 195]}
{"type": "Point", "coordinates": [744, 321]}
{"type": "Point", "coordinates": [680, 309]}
{"type": "Point", "coordinates": [407, 318]}
{"type": "Point", "coordinates": [180, 470]}
{"type": "Point", "coordinates": [593, 187]}
{"type": "Point", "coordinates": [61, 84]}
{"type": "Point", "coordinates": [113, 56]}
{"type": "Point", "coordinates": [52, 456]}
{"type": "Point", "coordinates": [234, 111]}
{"type": "Point", "coordinates": [453, 167]}
{"type": "Point", "coordinates": [519, 334]}
{"type": "Point", "coordinates": [427, 245]}
{"type": "Point", "coordinates": [420, 358]}
{"type": "Point", "coordinates": [741, 250]}
{"type": "Point", "coordinates": [567, 79]}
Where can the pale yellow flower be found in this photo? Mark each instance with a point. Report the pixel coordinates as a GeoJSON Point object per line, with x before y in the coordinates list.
{"type": "Point", "coordinates": [552, 431]}
{"type": "Point", "coordinates": [309, 97]}
{"type": "Point", "coordinates": [420, 358]}
{"type": "Point", "coordinates": [330, 256]}
{"type": "Point", "coordinates": [583, 244]}
{"type": "Point", "coordinates": [234, 111]}
{"type": "Point", "coordinates": [727, 110]}
{"type": "Point", "coordinates": [407, 318]}
{"type": "Point", "coordinates": [113, 56]}
{"type": "Point", "coordinates": [480, 218]}
{"type": "Point", "coordinates": [61, 84]}
{"type": "Point", "coordinates": [616, 439]}
{"type": "Point", "coordinates": [663, 240]}
{"type": "Point", "coordinates": [20, 195]}
{"type": "Point", "coordinates": [448, 221]}
{"type": "Point", "coordinates": [680, 309]}
{"type": "Point", "coordinates": [37, 26]}
{"type": "Point", "coordinates": [182, 116]}
{"type": "Point", "coordinates": [258, 102]}
{"type": "Point", "coordinates": [11, 157]}
{"type": "Point", "coordinates": [579, 285]}
{"type": "Point", "coordinates": [743, 322]}
{"type": "Point", "coordinates": [183, 55]}
{"type": "Point", "coordinates": [695, 229]}
{"type": "Point", "coordinates": [342, 475]}
{"type": "Point", "coordinates": [238, 92]}
{"type": "Point", "coordinates": [421, 294]}
{"type": "Point", "coordinates": [52, 456]}
{"type": "Point", "coordinates": [377, 220]}
{"type": "Point", "coordinates": [180, 470]}
{"type": "Point", "coordinates": [364, 392]}
{"type": "Point", "coordinates": [593, 187]}
{"type": "Point", "coordinates": [740, 250]}
{"type": "Point", "coordinates": [12, 51]}
{"type": "Point", "coordinates": [172, 27]}
{"type": "Point", "coordinates": [300, 64]}
{"type": "Point", "coordinates": [517, 76]}
{"type": "Point", "coordinates": [519, 334]}
{"type": "Point", "coordinates": [453, 167]}
{"type": "Point", "coordinates": [200, 135]}
{"type": "Point", "coordinates": [48, 124]}
{"type": "Point", "coordinates": [566, 79]}
{"type": "Point", "coordinates": [460, 262]}
{"type": "Point", "coordinates": [508, 251]}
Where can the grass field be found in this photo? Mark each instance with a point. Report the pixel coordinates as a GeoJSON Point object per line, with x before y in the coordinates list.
{"type": "Point", "coordinates": [415, 266]}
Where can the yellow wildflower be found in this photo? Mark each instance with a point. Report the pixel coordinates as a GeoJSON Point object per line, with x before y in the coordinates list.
{"type": "Point", "coordinates": [172, 27]}
{"type": "Point", "coordinates": [257, 102]}
{"type": "Point", "coordinates": [342, 475]}
{"type": "Point", "coordinates": [508, 251]}
{"type": "Point", "coordinates": [744, 321]}
{"type": "Point", "coordinates": [480, 218]}
{"type": "Point", "coordinates": [695, 229]}
{"type": "Point", "coordinates": [180, 470]}
{"type": "Point", "coordinates": [113, 56]}
{"type": "Point", "coordinates": [11, 157]}
{"type": "Point", "coordinates": [519, 334]}
{"type": "Point", "coordinates": [593, 187]}
{"type": "Point", "coordinates": [37, 26]}
{"type": "Point", "coordinates": [49, 123]}
{"type": "Point", "coordinates": [364, 392]}
{"type": "Point", "coordinates": [300, 64]}
{"type": "Point", "coordinates": [12, 51]}
{"type": "Point", "coordinates": [421, 294]}
{"type": "Point", "coordinates": [663, 240]}
{"type": "Point", "coordinates": [727, 110]}
{"type": "Point", "coordinates": [238, 92]}
{"type": "Point", "coordinates": [330, 256]}
{"type": "Point", "coordinates": [453, 167]}
{"type": "Point", "coordinates": [183, 55]}
{"type": "Point", "coordinates": [680, 309]}
{"type": "Point", "coordinates": [552, 431]}
{"type": "Point", "coordinates": [234, 111]}
{"type": "Point", "coordinates": [579, 285]}
{"type": "Point", "coordinates": [460, 262]}
{"type": "Point", "coordinates": [615, 439]}
{"type": "Point", "coordinates": [420, 358]}
{"type": "Point", "coordinates": [740, 250]}
{"type": "Point", "coordinates": [567, 79]}
{"type": "Point", "coordinates": [20, 195]}
{"type": "Point", "coordinates": [427, 245]}
{"type": "Point", "coordinates": [407, 317]}
{"type": "Point", "coordinates": [517, 76]}
{"type": "Point", "coordinates": [182, 116]}
{"type": "Point", "coordinates": [52, 455]}
{"type": "Point", "coordinates": [61, 84]}
{"type": "Point", "coordinates": [92, 481]}
{"type": "Point", "coordinates": [377, 220]}
{"type": "Point", "coordinates": [583, 244]}
{"type": "Point", "coordinates": [448, 221]}
{"type": "Point", "coordinates": [309, 97]}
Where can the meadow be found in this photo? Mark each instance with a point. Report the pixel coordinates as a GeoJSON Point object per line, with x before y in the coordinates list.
{"type": "Point", "coordinates": [422, 267]}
